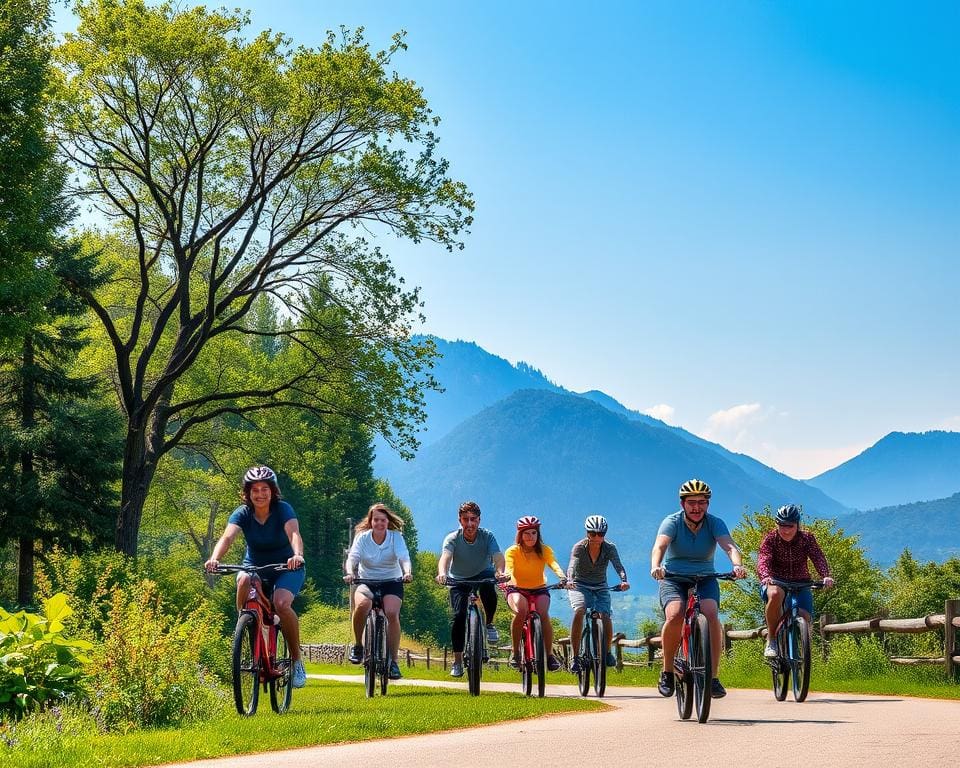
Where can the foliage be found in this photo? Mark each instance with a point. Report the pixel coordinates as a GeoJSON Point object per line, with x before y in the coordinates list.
{"type": "Point", "coordinates": [231, 169]}
{"type": "Point", "coordinates": [426, 606]}
{"type": "Point", "coordinates": [38, 664]}
{"type": "Point", "coordinates": [855, 596]}
{"type": "Point", "coordinates": [149, 668]}
{"type": "Point", "coordinates": [856, 658]}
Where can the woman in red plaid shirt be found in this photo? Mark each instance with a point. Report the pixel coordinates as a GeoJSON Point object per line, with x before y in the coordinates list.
{"type": "Point", "coordinates": [783, 555]}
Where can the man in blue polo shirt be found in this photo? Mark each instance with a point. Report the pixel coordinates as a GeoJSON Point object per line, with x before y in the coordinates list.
{"type": "Point", "coordinates": [469, 553]}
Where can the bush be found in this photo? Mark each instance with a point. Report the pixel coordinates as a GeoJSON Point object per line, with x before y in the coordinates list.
{"type": "Point", "coordinates": [152, 669]}
{"type": "Point", "coordinates": [852, 660]}
{"type": "Point", "coordinates": [38, 665]}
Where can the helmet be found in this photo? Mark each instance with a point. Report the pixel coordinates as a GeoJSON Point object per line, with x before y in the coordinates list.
{"type": "Point", "coordinates": [260, 475]}
{"type": "Point", "coordinates": [528, 521]}
{"type": "Point", "coordinates": [694, 488]}
{"type": "Point", "coordinates": [596, 524]}
{"type": "Point", "coordinates": [788, 513]}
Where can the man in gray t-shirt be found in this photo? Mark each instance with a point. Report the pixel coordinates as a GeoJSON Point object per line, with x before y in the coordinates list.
{"type": "Point", "coordinates": [469, 553]}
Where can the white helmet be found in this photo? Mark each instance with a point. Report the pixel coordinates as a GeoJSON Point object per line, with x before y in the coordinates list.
{"type": "Point", "coordinates": [596, 524]}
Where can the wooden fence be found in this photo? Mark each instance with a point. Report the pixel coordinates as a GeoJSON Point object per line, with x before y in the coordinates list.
{"type": "Point", "coordinates": [948, 622]}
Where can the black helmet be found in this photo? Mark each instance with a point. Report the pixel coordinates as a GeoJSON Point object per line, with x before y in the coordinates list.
{"type": "Point", "coordinates": [788, 514]}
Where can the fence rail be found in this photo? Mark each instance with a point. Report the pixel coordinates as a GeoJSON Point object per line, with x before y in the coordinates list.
{"type": "Point", "coordinates": [948, 621]}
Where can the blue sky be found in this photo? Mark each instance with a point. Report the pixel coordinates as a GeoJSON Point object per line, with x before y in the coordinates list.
{"type": "Point", "coordinates": [742, 217]}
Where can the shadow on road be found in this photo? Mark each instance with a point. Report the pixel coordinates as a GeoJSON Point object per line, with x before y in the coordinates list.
{"type": "Point", "coordinates": [771, 721]}
{"type": "Point", "coordinates": [853, 701]}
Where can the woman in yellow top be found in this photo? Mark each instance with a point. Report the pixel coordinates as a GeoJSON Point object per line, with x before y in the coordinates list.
{"type": "Point", "coordinates": [526, 562]}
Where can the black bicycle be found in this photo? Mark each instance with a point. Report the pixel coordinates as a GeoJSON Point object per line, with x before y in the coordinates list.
{"type": "Point", "coordinates": [693, 662]}
{"type": "Point", "coordinates": [592, 651]}
{"type": "Point", "coordinates": [475, 647]}
{"type": "Point", "coordinates": [376, 658]}
{"type": "Point", "coordinates": [793, 643]}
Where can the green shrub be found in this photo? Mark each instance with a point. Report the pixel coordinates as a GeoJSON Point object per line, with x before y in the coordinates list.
{"type": "Point", "coordinates": [50, 730]}
{"type": "Point", "coordinates": [149, 670]}
{"type": "Point", "coordinates": [38, 665]}
{"type": "Point", "coordinates": [851, 660]}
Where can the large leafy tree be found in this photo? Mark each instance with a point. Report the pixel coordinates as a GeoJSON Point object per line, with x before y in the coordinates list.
{"type": "Point", "coordinates": [227, 169]}
{"type": "Point", "coordinates": [857, 591]}
{"type": "Point", "coordinates": [58, 440]}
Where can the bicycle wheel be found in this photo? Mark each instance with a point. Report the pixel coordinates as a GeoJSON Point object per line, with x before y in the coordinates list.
{"type": "Point", "coordinates": [600, 656]}
{"type": "Point", "coordinates": [370, 654]}
{"type": "Point", "coordinates": [383, 660]}
{"type": "Point", "coordinates": [586, 658]}
{"type": "Point", "coordinates": [539, 654]}
{"type": "Point", "coordinates": [800, 657]}
{"type": "Point", "coordinates": [701, 667]}
{"type": "Point", "coordinates": [281, 688]}
{"type": "Point", "coordinates": [780, 666]}
{"type": "Point", "coordinates": [526, 661]}
{"type": "Point", "coordinates": [473, 656]}
{"type": "Point", "coordinates": [246, 668]}
{"type": "Point", "coordinates": [683, 685]}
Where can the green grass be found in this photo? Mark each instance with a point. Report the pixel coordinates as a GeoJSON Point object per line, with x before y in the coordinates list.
{"type": "Point", "coordinates": [324, 712]}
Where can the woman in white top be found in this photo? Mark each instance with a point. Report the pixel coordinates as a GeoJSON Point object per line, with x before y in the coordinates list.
{"type": "Point", "coordinates": [378, 552]}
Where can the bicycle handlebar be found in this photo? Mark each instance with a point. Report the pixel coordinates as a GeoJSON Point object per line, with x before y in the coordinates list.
{"type": "Point", "coordinates": [223, 568]}
{"type": "Point", "coordinates": [695, 578]}
{"type": "Point", "coordinates": [454, 582]}
{"type": "Point", "coordinates": [581, 587]}
{"type": "Point", "coordinates": [797, 584]}
{"type": "Point", "coordinates": [375, 582]}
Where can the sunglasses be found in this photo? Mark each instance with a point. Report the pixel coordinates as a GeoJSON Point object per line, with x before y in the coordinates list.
{"type": "Point", "coordinates": [594, 534]}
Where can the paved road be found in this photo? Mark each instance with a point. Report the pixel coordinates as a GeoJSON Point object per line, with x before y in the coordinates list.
{"type": "Point", "coordinates": [747, 728]}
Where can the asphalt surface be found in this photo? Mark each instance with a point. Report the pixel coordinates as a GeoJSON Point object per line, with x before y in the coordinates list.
{"type": "Point", "coordinates": [747, 728]}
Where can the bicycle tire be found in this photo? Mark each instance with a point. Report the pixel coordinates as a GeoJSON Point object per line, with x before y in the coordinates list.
{"type": "Point", "coordinates": [683, 684]}
{"type": "Point", "coordinates": [800, 652]}
{"type": "Point", "coordinates": [473, 657]}
{"type": "Point", "coordinates": [600, 657]}
{"type": "Point", "coordinates": [383, 660]}
{"type": "Point", "coordinates": [281, 687]}
{"type": "Point", "coordinates": [246, 668]}
{"type": "Point", "coordinates": [586, 658]}
{"type": "Point", "coordinates": [526, 662]}
{"type": "Point", "coordinates": [702, 667]}
{"type": "Point", "coordinates": [781, 664]}
{"type": "Point", "coordinates": [539, 655]}
{"type": "Point", "coordinates": [370, 654]}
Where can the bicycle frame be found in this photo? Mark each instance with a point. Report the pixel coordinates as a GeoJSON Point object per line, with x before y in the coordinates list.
{"type": "Point", "coordinates": [594, 660]}
{"type": "Point", "coordinates": [472, 661]}
{"type": "Point", "coordinates": [375, 665]}
{"type": "Point", "coordinates": [791, 661]}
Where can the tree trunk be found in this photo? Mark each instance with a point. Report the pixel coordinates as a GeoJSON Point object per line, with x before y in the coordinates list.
{"type": "Point", "coordinates": [25, 573]}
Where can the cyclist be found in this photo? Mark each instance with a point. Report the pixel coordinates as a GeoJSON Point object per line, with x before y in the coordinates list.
{"type": "Point", "coordinates": [689, 539]}
{"type": "Point", "coordinates": [378, 552]}
{"type": "Point", "coordinates": [272, 534]}
{"type": "Point", "coordinates": [525, 563]}
{"type": "Point", "coordinates": [469, 553]}
{"type": "Point", "coordinates": [588, 566]}
{"type": "Point", "coordinates": [783, 555]}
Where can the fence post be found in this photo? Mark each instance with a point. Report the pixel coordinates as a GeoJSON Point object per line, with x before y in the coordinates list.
{"type": "Point", "coordinates": [727, 642]}
{"type": "Point", "coordinates": [444, 657]}
{"type": "Point", "coordinates": [825, 619]}
{"type": "Point", "coordinates": [409, 662]}
{"type": "Point", "coordinates": [951, 609]}
{"type": "Point", "coordinates": [428, 657]}
{"type": "Point", "coordinates": [619, 657]}
{"type": "Point", "coordinates": [651, 651]}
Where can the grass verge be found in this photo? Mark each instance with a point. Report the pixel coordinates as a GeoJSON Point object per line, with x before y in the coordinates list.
{"type": "Point", "coordinates": [325, 712]}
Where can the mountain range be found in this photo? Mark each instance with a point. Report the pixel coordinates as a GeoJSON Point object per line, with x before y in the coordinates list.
{"type": "Point", "coordinates": [518, 443]}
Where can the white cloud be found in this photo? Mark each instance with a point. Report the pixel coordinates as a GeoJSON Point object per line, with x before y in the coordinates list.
{"type": "Point", "coordinates": [731, 427]}
{"type": "Point", "coordinates": [804, 463]}
{"type": "Point", "coordinates": [951, 425]}
{"type": "Point", "coordinates": [663, 412]}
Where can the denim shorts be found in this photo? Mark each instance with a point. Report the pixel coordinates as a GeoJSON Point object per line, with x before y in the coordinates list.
{"type": "Point", "coordinates": [671, 590]}
{"type": "Point", "coordinates": [804, 598]}
{"type": "Point", "coordinates": [590, 600]}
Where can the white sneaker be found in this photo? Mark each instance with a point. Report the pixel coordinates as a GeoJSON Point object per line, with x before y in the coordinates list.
{"type": "Point", "coordinates": [770, 651]}
{"type": "Point", "coordinates": [299, 674]}
{"type": "Point", "coordinates": [456, 670]}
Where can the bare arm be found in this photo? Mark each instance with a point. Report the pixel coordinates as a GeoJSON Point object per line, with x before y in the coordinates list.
{"type": "Point", "coordinates": [656, 555]}
{"type": "Point", "coordinates": [733, 552]}
{"type": "Point", "coordinates": [222, 546]}
{"type": "Point", "coordinates": [443, 566]}
{"type": "Point", "coordinates": [292, 529]}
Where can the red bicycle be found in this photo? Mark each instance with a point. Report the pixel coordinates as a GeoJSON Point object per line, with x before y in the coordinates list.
{"type": "Point", "coordinates": [260, 652]}
{"type": "Point", "coordinates": [693, 663]}
{"type": "Point", "coordinates": [533, 654]}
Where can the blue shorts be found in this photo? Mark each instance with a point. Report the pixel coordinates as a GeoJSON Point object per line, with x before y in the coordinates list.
{"type": "Point", "coordinates": [292, 581]}
{"type": "Point", "coordinates": [590, 600]}
{"type": "Point", "coordinates": [804, 598]}
{"type": "Point", "coordinates": [671, 590]}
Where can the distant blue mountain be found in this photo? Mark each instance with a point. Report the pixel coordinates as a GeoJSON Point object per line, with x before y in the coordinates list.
{"type": "Point", "coordinates": [899, 469]}
{"type": "Point", "coordinates": [929, 529]}
{"type": "Point", "coordinates": [473, 379]}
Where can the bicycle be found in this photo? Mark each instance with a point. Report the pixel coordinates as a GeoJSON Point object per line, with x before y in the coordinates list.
{"type": "Point", "coordinates": [693, 662]}
{"type": "Point", "coordinates": [260, 652]}
{"type": "Point", "coordinates": [533, 654]}
{"type": "Point", "coordinates": [475, 648]}
{"type": "Point", "coordinates": [793, 643]}
{"type": "Point", "coordinates": [376, 658]}
{"type": "Point", "coordinates": [592, 650]}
